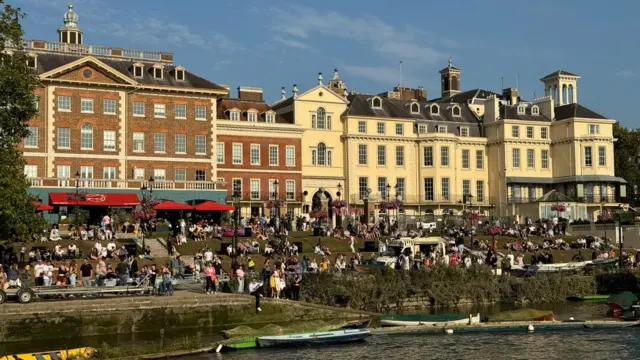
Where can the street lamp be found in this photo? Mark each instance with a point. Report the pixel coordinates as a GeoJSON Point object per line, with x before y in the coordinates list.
{"type": "Point", "coordinates": [398, 198]}
{"type": "Point", "coordinates": [339, 209]}
{"type": "Point", "coordinates": [151, 180]}
{"type": "Point", "coordinates": [493, 236]}
{"type": "Point", "coordinates": [620, 241]}
{"type": "Point", "coordinates": [602, 203]}
{"type": "Point", "coordinates": [277, 205]}
{"type": "Point", "coordinates": [339, 191]}
{"type": "Point", "coordinates": [386, 198]}
{"type": "Point", "coordinates": [77, 194]}
{"type": "Point", "coordinates": [236, 213]}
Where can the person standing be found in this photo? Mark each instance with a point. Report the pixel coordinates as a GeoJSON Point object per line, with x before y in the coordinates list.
{"type": "Point", "coordinates": [297, 282]}
{"type": "Point", "coordinates": [240, 275]}
{"type": "Point", "coordinates": [86, 271]}
{"type": "Point", "coordinates": [256, 289]}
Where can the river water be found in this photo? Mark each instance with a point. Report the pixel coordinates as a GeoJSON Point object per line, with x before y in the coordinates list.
{"type": "Point", "coordinates": [565, 345]}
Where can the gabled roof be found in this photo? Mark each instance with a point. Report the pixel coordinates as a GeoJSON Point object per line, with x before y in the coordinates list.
{"type": "Point", "coordinates": [464, 97]}
{"type": "Point", "coordinates": [510, 112]}
{"type": "Point", "coordinates": [560, 73]}
{"type": "Point", "coordinates": [576, 111]}
{"type": "Point", "coordinates": [244, 105]}
{"type": "Point", "coordinates": [50, 61]}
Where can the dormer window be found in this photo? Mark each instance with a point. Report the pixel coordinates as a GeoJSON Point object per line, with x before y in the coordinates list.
{"type": "Point", "coordinates": [180, 73]}
{"type": "Point", "coordinates": [464, 131]}
{"type": "Point", "coordinates": [435, 109]}
{"type": "Point", "coordinates": [32, 61]}
{"type": "Point", "coordinates": [521, 110]}
{"type": "Point", "coordinates": [270, 118]}
{"type": "Point", "coordinates": [442, 129]}
{"type": "Point", "coordinates": [234, 115]}
{"type": "Point", "coordinates": [535, 110]}
{"type": "Point", "coordinates": [455, 111]}
{"type": "Point", "coordinates": [252, 116]}
{"type": "Point", "coordinates": [137, 70]}
{"type": "Point", "coordinates": [376, 103]}
{"type": "Point", "coordinates": [415, 108]}
{"type": "Point", "coordinates": [157, 72]}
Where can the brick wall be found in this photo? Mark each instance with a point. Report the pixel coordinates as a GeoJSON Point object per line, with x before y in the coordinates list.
{"type": "Point", "coordinates": [264, 143]}
{"type": "Point", "coordinates": [170, 169]}
{"type": "Point", "coordinates": [264, 178]}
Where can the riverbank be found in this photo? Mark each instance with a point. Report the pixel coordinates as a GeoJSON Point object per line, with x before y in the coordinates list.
{"type": "Point", "coordinates": [185, 310]}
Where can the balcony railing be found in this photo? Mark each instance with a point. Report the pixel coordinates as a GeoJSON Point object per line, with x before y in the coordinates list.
{"type": "Point", "coordinates": [121, 184]}
{"type": "Point", "coordinates": [265, 197]}
{"type": "Point", "coordinates": [422, 199]}
{"type": "Point", "coordinates": [588, 199]}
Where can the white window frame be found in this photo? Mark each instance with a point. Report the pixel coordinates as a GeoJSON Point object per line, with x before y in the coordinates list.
{"type": "Point", "coordinates": [138, 71]}
{"type": "Point", "coordinates": [234, 115]}
{"type": "Point", "coordinates": [287, 185]}
{"type": "Point", "coordinates": [363, 155]}
{"type": "Point", "coordinates": [159, 111]}
{"type": "Point", "coordinates": [444, 155]}
{"type": "Point", "coordinates": [480, 160]}
{"type": "Point", "coordinates": [138, 174]}
{"type": "Point", "coordinates": [158, 70]}
{"type": "Point", "coordinates": [515, 155]}
{"type": "Point", "coordinates": [183, 143]}
{"type": "Point", "coordinates": [159, 139]}
{"type": "Point", "coordinates": [413, 108]}
{"type": "Point", "coordinates": [64, 103]}
{"type": "Point", "coordinates": [381, 128]}
{"type": "Point", "coordinates": [82, 135]}
{"type": "Point", "coordinates": [109, 173]}
{"type": "Point", "coordinates": [602, 156]}
{"type": "Point", "coordinates": [270, 118]}
{"type": "Point", "coordinates": [589, 157]}
{"type": "Point", "coordinates": [63, 172]}
{"type": "Point", "coordinates": [422, 128]}
{"type": "Point", "coordinates": [109, 137]}
{"type": "Point", "coordinates": [175, 111]}
{"type": "Point", "coordinates": [362, 127]}
{"type": "Point", "coordinates": [277, 157]}
{"type": "Point", "coordinates": [544, 160]}
{"type": "Point", "coordinates": [401, 128]}
{"type": "Point", "coordinates": [33, 135]}
{"type": "Point", "coordinates": [373, 103]}
{"type": "Point", "coordinates": [521, 110]}
{"type": "Point", "coordinates": [134, 140]}
{"type": "Point", "coordinates": [544, 133]}
{"type": "Point", "coordinates": [160, 174]}
{"type": "Point", "coordinates": [136, 106]}
{"type": "Point", "coordinates": [235, 181]}
{"type": "Point", "coordinates": [180, 74]}
{"type": "Point", "coordinates": [200, 112]}
{"type": "Point", "coordinates": [532, 132]}
{"type": "Point", "coordinates": [400, 156]}
{"type": "Point", "coordinates": [235, 146]}
{"type": "Point", "coordinates": [253, 147]}
{"type": "Point", "coordinates": [442, 129]}
{"type": "Point", "coordinates": [86, 172]}
{"type": "Point", "coordinates": [106, 108]}
{"type": "Point", "coordinates": [531, 158]}
{"type": "Point", "coordinates": [290, 156]}
{"type": "Point", "coordinates": [252, 116]}
{"type": "Point", "coordinates": [381, 156]}
{"type": "Point", "coordinates": [86, 106]}
{"type": "Point", "coordinates": [466, 160]}
{"type": "Point", "coordinates": [220, 153]}
{"type": "Point", "coordinates": [515, 131]}
{"type": "Point", "coordinates": [251, 190]}
{"type": "Point", "coordinates": [594, 129]}
{"type": "Point", "coordinates": [464, 131]}
{"type": "Point", "coordinates": [195, 140]}
{"type": "Point", "coordinates": [535, 110]}
{"type": "Point", "coordinates": [453, 111]}
{"type": "Point", "coordinates": [183, 175]}
{"type": "Point", "coordinates": [197, 172]}
{"type": "Point", "coordinates": [31, 171]}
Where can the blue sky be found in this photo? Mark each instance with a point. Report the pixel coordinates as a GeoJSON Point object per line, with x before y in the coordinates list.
{"type": "Point", "coordinates": [271, 44]}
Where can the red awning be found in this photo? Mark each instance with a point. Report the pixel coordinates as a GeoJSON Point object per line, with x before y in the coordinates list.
{"type": "Point", "coordinates": [213, 206]}
{"type": "Point", "coordinates": [172, 205]}
{"type": "Point", "coordinates": [94, 199]}
{"type": "Point", "coordinates": [42, 207]}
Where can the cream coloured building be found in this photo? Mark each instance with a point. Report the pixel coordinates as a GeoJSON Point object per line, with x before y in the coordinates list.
{"type": "Point", "coordinates": [495, 153]}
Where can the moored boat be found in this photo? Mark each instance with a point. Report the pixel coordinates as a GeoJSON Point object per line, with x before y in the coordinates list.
{"type": "Point", "coordinates": [318, 338]}
{"type": "Point", "coordinates": [238, 344]}
{"type": "Point", "coordinates": [356, 324]}
{"type": "Point", "coordinates": [79, 353]}
{"type": "Point", "coordinates": [429, 319]}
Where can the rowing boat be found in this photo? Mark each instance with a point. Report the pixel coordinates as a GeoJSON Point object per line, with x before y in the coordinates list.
{"type": "Point", "coordinates": [79, 353]}
{"type": "Point", "coordinates": [318, 338]}
{"type": "Point", "coordinates": [429, 319]}
{"type": "Point", "coordinates": [356, 324]}
{"type": "Point", "coordinates": [238, 344]}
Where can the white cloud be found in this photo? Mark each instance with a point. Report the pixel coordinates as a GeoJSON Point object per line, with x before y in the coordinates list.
{"type": "Point", "coordinates": [629, 74]}
{"type": "Point", "coordinates": [219, 64]}
{"type": "Point", "coordinates": [382, 74]}
{"type": "Point", "coordinates": [389, 41]}
{"type": "Point", "coordinates": [290, 42]}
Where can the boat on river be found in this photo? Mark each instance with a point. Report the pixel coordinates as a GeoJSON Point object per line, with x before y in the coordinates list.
{"type": "Point", "coordinates": [238, 344]}
{"type": "Point", "coordinates": [318, 338]}
{"type": "Point", "coordinates": [429, 319]}
{"type": "Point", "coordinates": [356, 324]}
{"type": "Point", "coordinates": [79, 353]}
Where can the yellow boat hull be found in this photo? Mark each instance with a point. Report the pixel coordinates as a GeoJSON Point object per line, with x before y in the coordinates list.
{"type": "Point", "coordinates": [78, 353]}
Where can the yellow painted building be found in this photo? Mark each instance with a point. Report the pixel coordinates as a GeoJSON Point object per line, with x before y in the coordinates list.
{"type": "Point", "coordinates": [492, 152]}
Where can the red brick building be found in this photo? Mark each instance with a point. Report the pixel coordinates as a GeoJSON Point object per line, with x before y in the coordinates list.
{"type": "Point", "coordinates": [256, 150]}
{"type": "Point", "coordinates": [118, 118]}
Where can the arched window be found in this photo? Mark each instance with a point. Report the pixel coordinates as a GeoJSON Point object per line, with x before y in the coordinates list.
{"type": "Point", "coordinates": [376, 103]}
{"type": "Point", "coordinates": [322, 154]}
{"type": "Point", "coordinates": [86, 136]}
{"type": "Point", "coordinates": [535, 110]}
{"type": "Point", "coordinates": [435, 109]}
{"type": "Point", "coordinates": [415, 108]}
{"type": "Point", "coordinates": [521, 110]}
{"type": "Point", "coordinates": [321, 117]}
{"type": "Point", "coordinates": [456, 111]}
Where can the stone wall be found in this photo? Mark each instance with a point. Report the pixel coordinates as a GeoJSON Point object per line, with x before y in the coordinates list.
{"type": "Point", "coordinates": [127, 315]}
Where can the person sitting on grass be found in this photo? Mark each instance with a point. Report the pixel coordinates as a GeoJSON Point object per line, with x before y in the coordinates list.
{"type": "Point", "coordinates": [55, 235]}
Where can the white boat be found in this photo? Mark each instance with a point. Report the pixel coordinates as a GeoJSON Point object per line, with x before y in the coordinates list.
{"type": "Point", "coordinates": [428, 320]}
{"type": "Point", "coordinates": [328, 337]}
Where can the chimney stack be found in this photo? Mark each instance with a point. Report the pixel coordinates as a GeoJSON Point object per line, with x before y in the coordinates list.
{"type": "Point", "coordinates": [295, 91]}
{"type": "Point", "coordinates": [283, 94]}
{"type": "Point", "coordinates": [510, 95]}
{"type": "Point", "coordinates": [320, 78]}
{"type": "Point", "coordinates": [250, 93]}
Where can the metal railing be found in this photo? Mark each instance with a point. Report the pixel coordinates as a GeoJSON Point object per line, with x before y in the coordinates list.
{"type": "Point", "coordinates": [589, 199]}
{"type": "Point", "coordinates": [450, 199]}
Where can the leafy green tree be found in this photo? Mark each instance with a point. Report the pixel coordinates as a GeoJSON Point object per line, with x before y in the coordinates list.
{"type": "Point", "coordinates": [18, 219]}
{"type": "Point", "coordinates": [627, 158]}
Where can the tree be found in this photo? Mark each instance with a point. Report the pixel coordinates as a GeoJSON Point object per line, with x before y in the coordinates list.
{"type": "Point", "coordinates": [18, 219]}
{"type": "Point", "coordinates": [627, 159]}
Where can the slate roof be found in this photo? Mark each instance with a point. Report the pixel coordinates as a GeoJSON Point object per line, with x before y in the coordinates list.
{"type": "Point", "coordinates": [576, 110]}
{"type": "Point", "coordinates": [244, 106]}
{"type": "Point", "coordinates": [466, 96]}
{"type": "Point", "coordinates": [360, 105]}
{"type": "Point", "coordinates": [510, 112]}
{"type": "Point", "coordinates": [50, 61]}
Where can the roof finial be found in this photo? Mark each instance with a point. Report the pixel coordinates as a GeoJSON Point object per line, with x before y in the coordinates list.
{"type": "Point", "coordinates": [319, 78]}
{"type": "Point", "coordinates": [450, 65]}
{"type": "Point", "coordinates": [295, 91]}
{"type": "Point", "coordinates": [336, 76]}
{"type": "Point", "coordinates": [283, 93]}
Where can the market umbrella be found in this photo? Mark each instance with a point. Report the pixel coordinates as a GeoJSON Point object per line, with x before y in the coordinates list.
{"type": "Point", "coordinates": [42, 207]}
{"type": "Point", "coordinates": [169, 205]}
{"type": "Point", "coordinates": [213, 206]}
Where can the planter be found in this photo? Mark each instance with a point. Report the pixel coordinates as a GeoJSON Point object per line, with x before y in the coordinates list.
{"type": "Point", "coordinates": [63, 227]}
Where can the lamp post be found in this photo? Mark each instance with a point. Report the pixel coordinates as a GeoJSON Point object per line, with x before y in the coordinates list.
{"type": "Point", "coordinates": [470, 197]}
{"type": "Point", "coordinates": [398, 198]}
{"type": "Point", "coordinates": [602, 203]}
{"type": "Point", "coordinates": [151, 180]}
{"type": "Point", "coordinates": [277, 205]}
{"type": "Point", "coordinates": [493, 235]}
{"type": "Point", "coordinates": [236, 213]}
{"type": "Point", "coordinates": [365, 218]}
{"type": "Point", "coordinates": [77, 194]}
{"type": "Point", "coordinates": [338, 194]}
{"type": "Point", "coordinates": [386, 198]}
{"type": "Point", "coordinates": [620, 241]}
